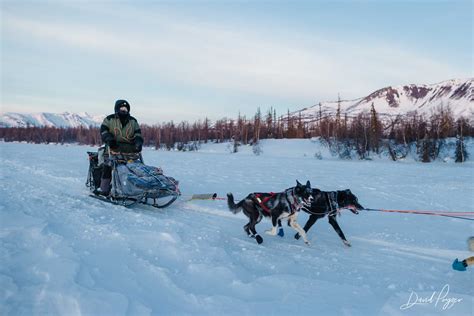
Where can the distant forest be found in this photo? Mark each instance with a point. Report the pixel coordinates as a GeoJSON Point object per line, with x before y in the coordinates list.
{"type": "Point", "coordinates": [364, 133]}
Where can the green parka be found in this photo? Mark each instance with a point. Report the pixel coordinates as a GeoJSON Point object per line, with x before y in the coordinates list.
{"type": "Point", "coordinates": [126, 136]}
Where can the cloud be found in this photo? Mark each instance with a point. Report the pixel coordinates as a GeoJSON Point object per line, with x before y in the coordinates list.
{"type": "Point", "coordinates": [241, 60]}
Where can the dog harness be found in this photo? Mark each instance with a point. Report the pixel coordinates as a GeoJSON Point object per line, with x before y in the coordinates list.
{"type": "Point", "coordinates": [263, 198]}
{"type": "Point", "coordinates": [332, 201]}
{"type": "Point", "coordinates": [261, 202]}
{"type": "Point", "coordinates": [294, 205]}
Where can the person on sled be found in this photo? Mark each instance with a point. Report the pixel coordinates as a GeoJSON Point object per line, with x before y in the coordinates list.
{"type": "Point", "coordinates": [120, 132]}
{"type": "Point", "coordinates": [462, 265]}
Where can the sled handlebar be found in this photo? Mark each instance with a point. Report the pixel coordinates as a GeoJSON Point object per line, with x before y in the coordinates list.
{"type": "Point", "coordinates": [117, 153]}
{"type": "Point", "coordinates": [120, 156]}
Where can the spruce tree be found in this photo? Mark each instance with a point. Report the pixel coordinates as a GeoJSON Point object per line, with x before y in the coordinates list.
{"type": "Point", "coordinates": [461, 154]}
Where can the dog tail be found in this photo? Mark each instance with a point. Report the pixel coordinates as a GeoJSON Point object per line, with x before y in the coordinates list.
{"type": "Point", "coordinates": [235, 208]}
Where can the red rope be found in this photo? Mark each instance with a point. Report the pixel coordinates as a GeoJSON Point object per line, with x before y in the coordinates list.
{"type": "Point", "coordinates": [459, 215]}
{"type": "Point", "coordinates": [435, 213]}
{"type": "Point", "coordinates": [426, 212]}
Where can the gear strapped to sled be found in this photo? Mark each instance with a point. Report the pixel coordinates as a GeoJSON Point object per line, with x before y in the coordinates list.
{"type": "Point", "coordinates": [132, 181]}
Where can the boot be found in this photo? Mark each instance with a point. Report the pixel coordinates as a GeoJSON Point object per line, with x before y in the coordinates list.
{"type": "Point", "coordinates": [104, 188]}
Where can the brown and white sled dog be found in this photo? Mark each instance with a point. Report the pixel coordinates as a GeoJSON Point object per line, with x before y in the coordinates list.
{"type": "Point", "coordinates": [277, 206]}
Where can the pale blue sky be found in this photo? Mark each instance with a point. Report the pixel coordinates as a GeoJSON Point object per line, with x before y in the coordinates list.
{"type": "Point", "coordinates": [184, 60]}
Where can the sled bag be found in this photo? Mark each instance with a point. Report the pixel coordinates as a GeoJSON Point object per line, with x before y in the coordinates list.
{"type": "Point", "coordinates": [134, 179]}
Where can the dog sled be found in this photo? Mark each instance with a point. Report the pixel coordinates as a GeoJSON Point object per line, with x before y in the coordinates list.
{"type": "Point", "coordinates": [132, 181]}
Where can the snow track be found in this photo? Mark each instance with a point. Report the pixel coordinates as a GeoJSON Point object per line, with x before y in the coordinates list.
{"type": "Point", "coordinates": [65, 253]}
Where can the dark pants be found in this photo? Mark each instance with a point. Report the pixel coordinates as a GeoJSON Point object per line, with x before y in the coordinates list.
{"type": "Point", "coordinates": [106, 172]}
{"type": "Point", "coordinates": [106, 179]}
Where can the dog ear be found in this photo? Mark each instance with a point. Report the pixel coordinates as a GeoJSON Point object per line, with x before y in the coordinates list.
{"type": "Point", "coordinates": [308, 184]}
{"type": "Point", "coordinates": [298, 184]}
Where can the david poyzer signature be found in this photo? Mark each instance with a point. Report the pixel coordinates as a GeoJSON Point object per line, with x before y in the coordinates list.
{"type": "Point", "coordinates": [439, 299]}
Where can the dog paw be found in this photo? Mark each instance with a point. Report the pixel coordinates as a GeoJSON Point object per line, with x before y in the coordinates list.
{"type": "Point", "coordinates": [270, 232]}
{"type": "Point", "coordinates": [307, 243]}
{"type": "Point", "coordinates": [346, 243]}
{"type": "Point", "coordinates": [297, 236]}
{"type": "Point", "coordinates": [259, 239]}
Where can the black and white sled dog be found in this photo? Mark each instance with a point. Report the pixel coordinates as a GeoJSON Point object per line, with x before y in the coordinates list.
{"type": "Point", "coordinates": [274, 205]}
{"type": "Point", "coordinates": [330, 203]}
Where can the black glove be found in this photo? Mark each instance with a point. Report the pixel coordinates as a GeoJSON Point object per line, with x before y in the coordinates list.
{"type": "Point", "coordinates": [107, 137]}
{"type": "Point", "coordinates": [112, 143]}
{"type": "Point", "coordinates": [138, 144]}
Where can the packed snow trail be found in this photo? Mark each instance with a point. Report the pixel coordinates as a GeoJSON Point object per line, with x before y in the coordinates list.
{"type": "Point", "coordinates": [65, 253]}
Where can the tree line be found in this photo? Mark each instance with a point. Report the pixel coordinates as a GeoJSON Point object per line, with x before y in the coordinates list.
{"type": "Point", "coordinates": [364, 133]}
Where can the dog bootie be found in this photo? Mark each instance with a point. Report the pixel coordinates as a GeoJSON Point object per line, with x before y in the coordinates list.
{"type": "Point", "coordinates": [281, 232]}
{"type": "Point", "coordinates": [459, 265]}
{"type": "Point", "coordinates": [259, 239]}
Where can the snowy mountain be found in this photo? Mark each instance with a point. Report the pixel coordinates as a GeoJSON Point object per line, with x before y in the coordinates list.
{"type": "Point", "coordinates": [65, 119]}
{"type": "Point", "coordinates": [457, 94]}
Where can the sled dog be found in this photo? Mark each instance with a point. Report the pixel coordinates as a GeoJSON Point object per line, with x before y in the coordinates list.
{"type": "Point", "coordinates": [274, 205]}
{"type": "Point", "coordinates": [330, 203]}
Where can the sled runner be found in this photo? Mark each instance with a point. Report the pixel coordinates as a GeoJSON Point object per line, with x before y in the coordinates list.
{"type": "Point", "coordinates": [132, 181]}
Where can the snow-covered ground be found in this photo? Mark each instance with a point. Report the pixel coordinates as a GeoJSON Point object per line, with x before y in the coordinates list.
{"type": "Point", "coordinates": [64, 253]}
{"type": "Point", "coordinates": [319, 149]}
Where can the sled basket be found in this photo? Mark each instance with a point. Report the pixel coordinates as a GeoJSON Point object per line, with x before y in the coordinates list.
{"type": "Point", "coordinates": [133, 181]}
{"type": "Point", "coordinates": [95, 171]}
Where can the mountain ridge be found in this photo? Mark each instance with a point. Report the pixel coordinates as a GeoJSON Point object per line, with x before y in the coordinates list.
{"type": "Point", "coordinates": [45, 119]}
{"type": "Point", "coordinates": [389, 101]}
{"type": "Point", "coordinates": [458, 94]}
